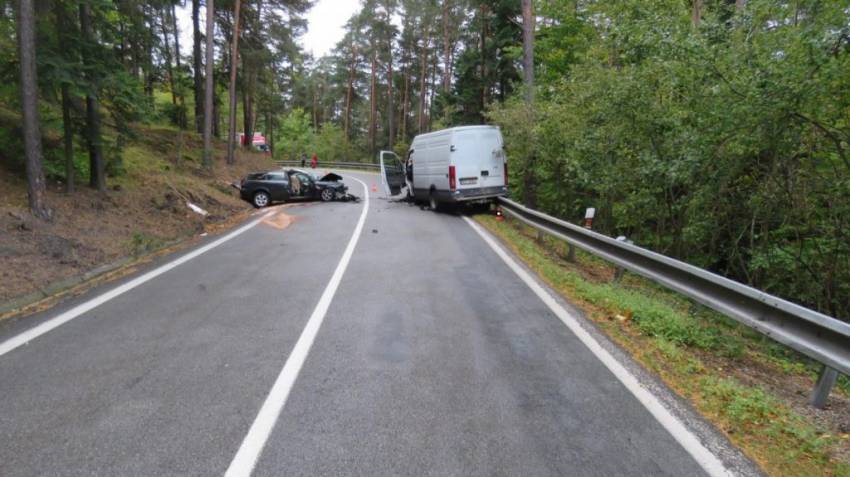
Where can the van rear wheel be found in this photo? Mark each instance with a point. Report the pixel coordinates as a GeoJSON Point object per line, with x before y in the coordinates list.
{"type": "Point", "coordinates": [432, 202]}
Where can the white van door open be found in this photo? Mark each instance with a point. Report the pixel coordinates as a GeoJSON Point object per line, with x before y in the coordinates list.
{"type": "Point", "coordinates": [392, 173]}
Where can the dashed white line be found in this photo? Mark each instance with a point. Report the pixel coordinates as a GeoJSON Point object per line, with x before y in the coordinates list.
{"type": "Point", "coordinates": [78, 310]}
{"type": "Point", "coordinates": [704, 457]}
{"type": "Point", "coordinates": [252, 445]}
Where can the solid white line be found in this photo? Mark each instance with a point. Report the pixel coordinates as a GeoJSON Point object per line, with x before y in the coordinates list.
{"type": "Point", "coordinates": [704, 457]}
{"type": "Point", "coordinates": [246, 458]}
{"type": "Point", "coordinates": [78, 310]}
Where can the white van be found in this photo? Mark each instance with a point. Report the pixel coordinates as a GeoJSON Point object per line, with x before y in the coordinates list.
{"type": "Point", "coordinates": [462, 164]}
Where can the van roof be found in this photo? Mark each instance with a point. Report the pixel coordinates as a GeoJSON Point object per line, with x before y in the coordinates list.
{"type": "Point", "coordinates": [454, 129]}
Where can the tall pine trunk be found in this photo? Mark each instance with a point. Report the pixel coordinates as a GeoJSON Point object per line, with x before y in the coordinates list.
{"type": "Point", "coordinates": [68, 139]}
{"type": "Point", "coordinates": [208, 90]}
{"type": "Point", "coordinates": [29, 110]}
{"type": "Point", "coordinates": [248, 117]}
{"type": "Point", "coordinates": [169, 69]}
{"type": "Point", "coordinates": [97, 175]}
{"type": "Point", "coordinates": [373, 102]}
{"type": "Point", "coordinates": [62, 22]}
{"type": "Point", "coordinates": [446, 47]}
{"type": "Point", "coordinates": [234, 63]}
{"type": "Point", "coordinates": [350, 90]}
{"type": "Point", "coordinates": [423, 80]}
{"type": "Point", "coordinates": [530, 185]}
{"type": "Point", "coordinates": [390, 105]}
{"type": "Point", "coordinates": [484, 73]}
{"type": "Point", "coordinates": [405, 99]}
{"type": "Point", "coordinates": [696, 13]}
{"type": "Point", "coordinates": [175, 30]}
{"type": "Point", "coordinates": [196, 66]}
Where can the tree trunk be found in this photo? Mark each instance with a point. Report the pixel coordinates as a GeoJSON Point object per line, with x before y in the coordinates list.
{"type": "Point", "coordinates": [97, 179]}
{"type": "Point", "coordinates": [423, 79]}
{"type": "Point", "coordinates": [349, 92]}
{"type": "Point", "coordinates": [484, 83]}
{"type": "Point", "coordinates": [168, 67]}
{"type": "Point", "coordinates": [248, 119]}
{"type": "Point", "coordinates": [373, 103]}
{"type": "Point", "coordinates": [530, 178]}
{"type": "Point", "coordinates": [433, 89]}
{"type": "Point", "coordinates": [148, 43]}
{"type": "Point", "coordinates": [405, 99]}
{"type": "Point", "coordinates": [740, 5]}
{"type": "Point", "coordinates": [270, 132]}
{"type": "Point", "coordinates": [315, 106]}
{"type": "Point", "coordinates": [208, 90]}
{"type": "Point", "coordinates": [196, 66]}
{"type": "Point", "coordinates": [696, 15]}
{"type": "Point", "coordinates": [68, 139]}
{"type": "Point", "coordinates": [62, 22]}
{"type": "Point", "coordinates": [528, 50]}
{"type": "Point", "coordinates": [390, 105]}
{"type": "Point", "coordinates": [29, 110]}
{"type": "Point", "coordinates": [175, 30]}
{"type": "Point", "coordinates": [216, 114]}
{"type": "Point", "coordinates": [447, 81]}
{"type": "Point", "coordinates": [234, 63]}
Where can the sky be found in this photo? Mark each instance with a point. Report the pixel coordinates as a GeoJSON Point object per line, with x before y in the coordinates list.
{"type": "Point", "coordinates": [326, 21]}
{"type": "Point", "coordinates": [325, 25]}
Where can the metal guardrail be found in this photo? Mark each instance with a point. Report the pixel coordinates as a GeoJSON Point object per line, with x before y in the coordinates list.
{"type": "Point", "coordinates": [366, 166]}
{"type": "Point", "coordinates": [818, 336]}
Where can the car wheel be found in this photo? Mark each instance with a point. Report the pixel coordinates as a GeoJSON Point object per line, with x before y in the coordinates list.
{"type": "Point", "coordinates": [261, 199]}
{"type": "Point", "coordinates": [433, 203]}
{"type": "Point", "coordinates": [328, 195]}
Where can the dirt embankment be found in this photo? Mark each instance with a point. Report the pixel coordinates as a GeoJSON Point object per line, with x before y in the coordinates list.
{"type": "Point", "coordinates": [143, 209]}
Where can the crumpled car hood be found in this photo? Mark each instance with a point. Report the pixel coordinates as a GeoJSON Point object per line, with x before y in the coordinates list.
{"type": "Point", "coordinates": [330, 177]}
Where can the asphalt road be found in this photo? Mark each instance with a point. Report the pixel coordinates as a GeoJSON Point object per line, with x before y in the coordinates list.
{"type": "Point", "coordinates": [432, 357]}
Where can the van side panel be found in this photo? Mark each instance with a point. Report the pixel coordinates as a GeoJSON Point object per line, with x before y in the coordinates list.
{"type": "Point", "coordinates": [430, 164]}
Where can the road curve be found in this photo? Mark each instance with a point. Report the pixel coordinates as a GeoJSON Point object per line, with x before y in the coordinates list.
{"type": "Point", "coordinates": [432, 358]}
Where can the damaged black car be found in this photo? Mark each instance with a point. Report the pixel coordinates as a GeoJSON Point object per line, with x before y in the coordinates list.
{"type": "Point", "coordinates": [264, 188]}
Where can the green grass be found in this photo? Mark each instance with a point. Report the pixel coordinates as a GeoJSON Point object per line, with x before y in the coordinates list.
{"type": "Point", "coordinates": [672, 336]}
{"type": "Point", "coordinates": [142, 243]}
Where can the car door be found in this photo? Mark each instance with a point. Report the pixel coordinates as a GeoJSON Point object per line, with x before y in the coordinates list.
{"type": "Point", "coordinates": [278, 185]}
{"type": "Point", "coordinates": [392, 173]}
{"type": "Point", "coordinates": [302, 185]}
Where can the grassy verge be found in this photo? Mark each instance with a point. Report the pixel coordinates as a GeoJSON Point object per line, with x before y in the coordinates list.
{"type": "Point", "coordinates": [752, 389]}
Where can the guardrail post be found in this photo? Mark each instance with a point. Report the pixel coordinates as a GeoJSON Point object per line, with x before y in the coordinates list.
{"type": "Point", "coordinates": [826, 381]}
{"type": "Point", "coordinates": [571, 253]}
{"type": "Point", "coordinates": [539, 236]}
{"type": "Point", "coordinates": [620, 271]}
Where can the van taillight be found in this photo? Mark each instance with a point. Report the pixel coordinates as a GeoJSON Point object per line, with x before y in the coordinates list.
{"type": "Point", "coordinates": [452, 178]}
{"type": "Point", "coordinates": [506, 173]}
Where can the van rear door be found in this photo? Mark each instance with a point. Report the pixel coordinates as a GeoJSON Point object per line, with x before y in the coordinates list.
{"type": "Point", "coordinates": [478, 158]}
{"type": "Point", "coordinates": [392, 173]}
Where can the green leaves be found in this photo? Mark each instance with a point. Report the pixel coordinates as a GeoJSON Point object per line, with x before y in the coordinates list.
{"type": "Point", "coordinates": [726, 145]}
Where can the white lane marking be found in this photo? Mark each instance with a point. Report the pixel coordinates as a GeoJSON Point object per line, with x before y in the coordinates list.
{"type": "Point", "coordinates": [704, 457]}
{"type": "Point", "coordinates": [78, 310]}
{"type": "Point", "coordinates": [246, 457]}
